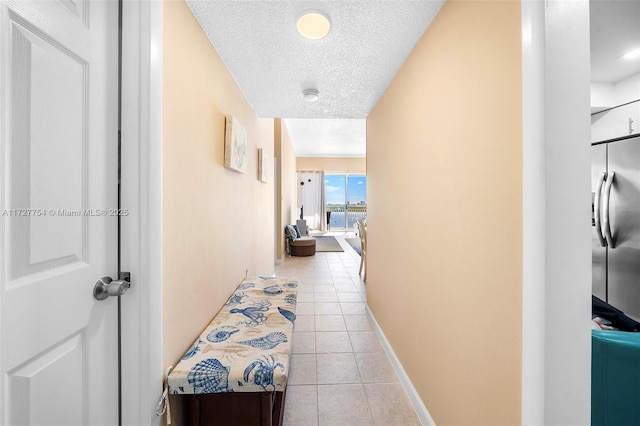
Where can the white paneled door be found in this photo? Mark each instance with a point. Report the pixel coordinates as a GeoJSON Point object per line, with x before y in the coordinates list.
{"type": "Point", "coordinates": [58, 195]}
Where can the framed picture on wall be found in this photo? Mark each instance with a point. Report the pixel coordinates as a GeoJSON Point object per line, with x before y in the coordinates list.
{"type": "Point", "coordinates": [262, 166]}
{"type": "Point", "coordinates": [235, 146]}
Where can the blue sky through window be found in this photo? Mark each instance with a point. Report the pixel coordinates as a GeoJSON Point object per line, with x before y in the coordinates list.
{"type": "Point", "coordinates": [335, 189]}
{"type": "Point", "coordinates": [357, 190]}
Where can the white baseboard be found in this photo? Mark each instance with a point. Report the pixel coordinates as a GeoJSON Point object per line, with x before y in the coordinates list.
{"type": "Point", "coordinates": [278, 261]}
{"type": "Point", "coordinates": [418, 405]}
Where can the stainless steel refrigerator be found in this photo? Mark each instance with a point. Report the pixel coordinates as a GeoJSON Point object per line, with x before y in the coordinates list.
{"type": "Point", "coordinates": [615, 187]}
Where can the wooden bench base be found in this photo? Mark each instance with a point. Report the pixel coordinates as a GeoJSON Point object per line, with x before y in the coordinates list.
{"type": "Point", "coordinates": [304, 246]}
{"type": "Point", "coordinates": [236, 409]}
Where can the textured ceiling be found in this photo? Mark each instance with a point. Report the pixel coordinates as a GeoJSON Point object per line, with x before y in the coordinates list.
{"type": "Point", "coordinates": [351, 67]}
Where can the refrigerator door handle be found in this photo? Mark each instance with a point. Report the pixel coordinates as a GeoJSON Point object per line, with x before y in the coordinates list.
{"type": "Point", "coordinates": [596, 207]}
{"type": "Point", "coordinates": [606, 224]}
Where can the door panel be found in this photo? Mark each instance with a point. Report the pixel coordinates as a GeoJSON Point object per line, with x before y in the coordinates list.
{"type": "Point", "coordinates": [48, 121]}
{"type": "Point", "coordinates": [58, 110]}
{"type": "Point", "coordinates": [598, 253]}
{"type": "Point", "coordinates": [40, 378]}
{"type": "Point", "coordinates": [624, 264]}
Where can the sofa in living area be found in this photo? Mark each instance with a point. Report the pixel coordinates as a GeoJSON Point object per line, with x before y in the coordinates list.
{"type": "Point", "coordinates": [299, 245]}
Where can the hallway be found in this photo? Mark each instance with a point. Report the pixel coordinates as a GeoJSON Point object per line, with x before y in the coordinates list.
{"type": "Point", "coordinates": [339, 374]}
{"type": "Point", "coordinates": [464, 219]}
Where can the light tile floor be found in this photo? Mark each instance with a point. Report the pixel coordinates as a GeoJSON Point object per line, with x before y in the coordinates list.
{"type": "Point", "coordinates": [339, 373]}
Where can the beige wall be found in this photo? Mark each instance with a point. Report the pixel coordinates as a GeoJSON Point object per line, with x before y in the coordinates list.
{"type": "Point", "coordinates": [216, 223]}
{"type": "Point", "coordinates": [444, 170]}
{"type": "Point", "coordinates": [286, 183]}
{"type": "Point", "coordinates": [331, 164]}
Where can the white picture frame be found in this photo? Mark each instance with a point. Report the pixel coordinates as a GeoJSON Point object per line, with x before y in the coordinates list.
{"type": "Point", "coordinates": [235, 146]}
{"type": "Point", "coordinates": [262, 166]}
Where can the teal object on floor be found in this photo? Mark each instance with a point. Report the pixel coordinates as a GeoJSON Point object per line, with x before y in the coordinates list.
{"type": "Point", "coordinates": [615, 378]}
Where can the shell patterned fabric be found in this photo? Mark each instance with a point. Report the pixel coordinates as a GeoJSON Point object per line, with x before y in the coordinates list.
{"type": "Point", "coordinates": [235, 299]}
{"type": "Point", "coordinates": [247, 346]}
{"type": "Point", "coordinates": [209, 376]}
{"type": "Point", "coordinates": [287, 314]}
{"type": "Point", "coordinates": [272, 290]}
{"type": "Point", "coordinates": [193, 349]}
{"type": "Point", "coordinates": [291, 299]}
{"type": "Point", "coordinates": [247, 284]}
{"type": "Point", "coordinates": [222, 333]}
{"type": "Point", "coordinates": [269, 341]}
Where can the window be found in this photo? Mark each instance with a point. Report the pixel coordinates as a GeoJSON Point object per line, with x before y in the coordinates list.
{"type": "Point", "coordinates": [346, 200]}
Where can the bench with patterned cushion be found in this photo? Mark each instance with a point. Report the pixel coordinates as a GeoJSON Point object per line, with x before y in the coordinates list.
{"type": "Point", "coordinates": [236, 371]}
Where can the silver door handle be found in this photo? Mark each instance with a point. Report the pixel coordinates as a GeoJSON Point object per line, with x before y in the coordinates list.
{"type": "Point", "coordinates": [106, 287]}
{"type": "Point", "coordinates": [596, 211]}
{"type": "Point", "coordinates": [606, 224]}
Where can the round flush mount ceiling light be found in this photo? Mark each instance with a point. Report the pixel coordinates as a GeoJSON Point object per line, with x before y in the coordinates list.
{"type": "Point", "coordinates": [313, 25]}
{"type": "Point", "coordinates": [310, 95]}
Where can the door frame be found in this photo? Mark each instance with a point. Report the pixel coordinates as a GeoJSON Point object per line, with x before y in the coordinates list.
{"type": "Point", "coordinates": [141, 237]}
{"type": "Point", "coordinates": [556, 234]}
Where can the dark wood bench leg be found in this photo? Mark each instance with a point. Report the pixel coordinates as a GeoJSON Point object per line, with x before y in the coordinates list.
{"type": "Point", "coordinates": [278, 410]}
{"type": "Point", "coordinates": [194, 410]}
{"type": "Point", "coordinates": [266, 408]}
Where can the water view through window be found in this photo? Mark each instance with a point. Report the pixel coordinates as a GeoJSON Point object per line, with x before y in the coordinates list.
{"type": "Point", "coordinates": [346, 200]}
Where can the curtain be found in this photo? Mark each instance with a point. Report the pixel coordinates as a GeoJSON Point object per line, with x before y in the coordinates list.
{"type": "Point", "coordinates": [311, 199]}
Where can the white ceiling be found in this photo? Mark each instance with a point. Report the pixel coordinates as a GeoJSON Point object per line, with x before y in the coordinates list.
{"type": "Point", "coordinates": [353, 65]}
{"type": "Point", "coordinates": [326, 137]}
